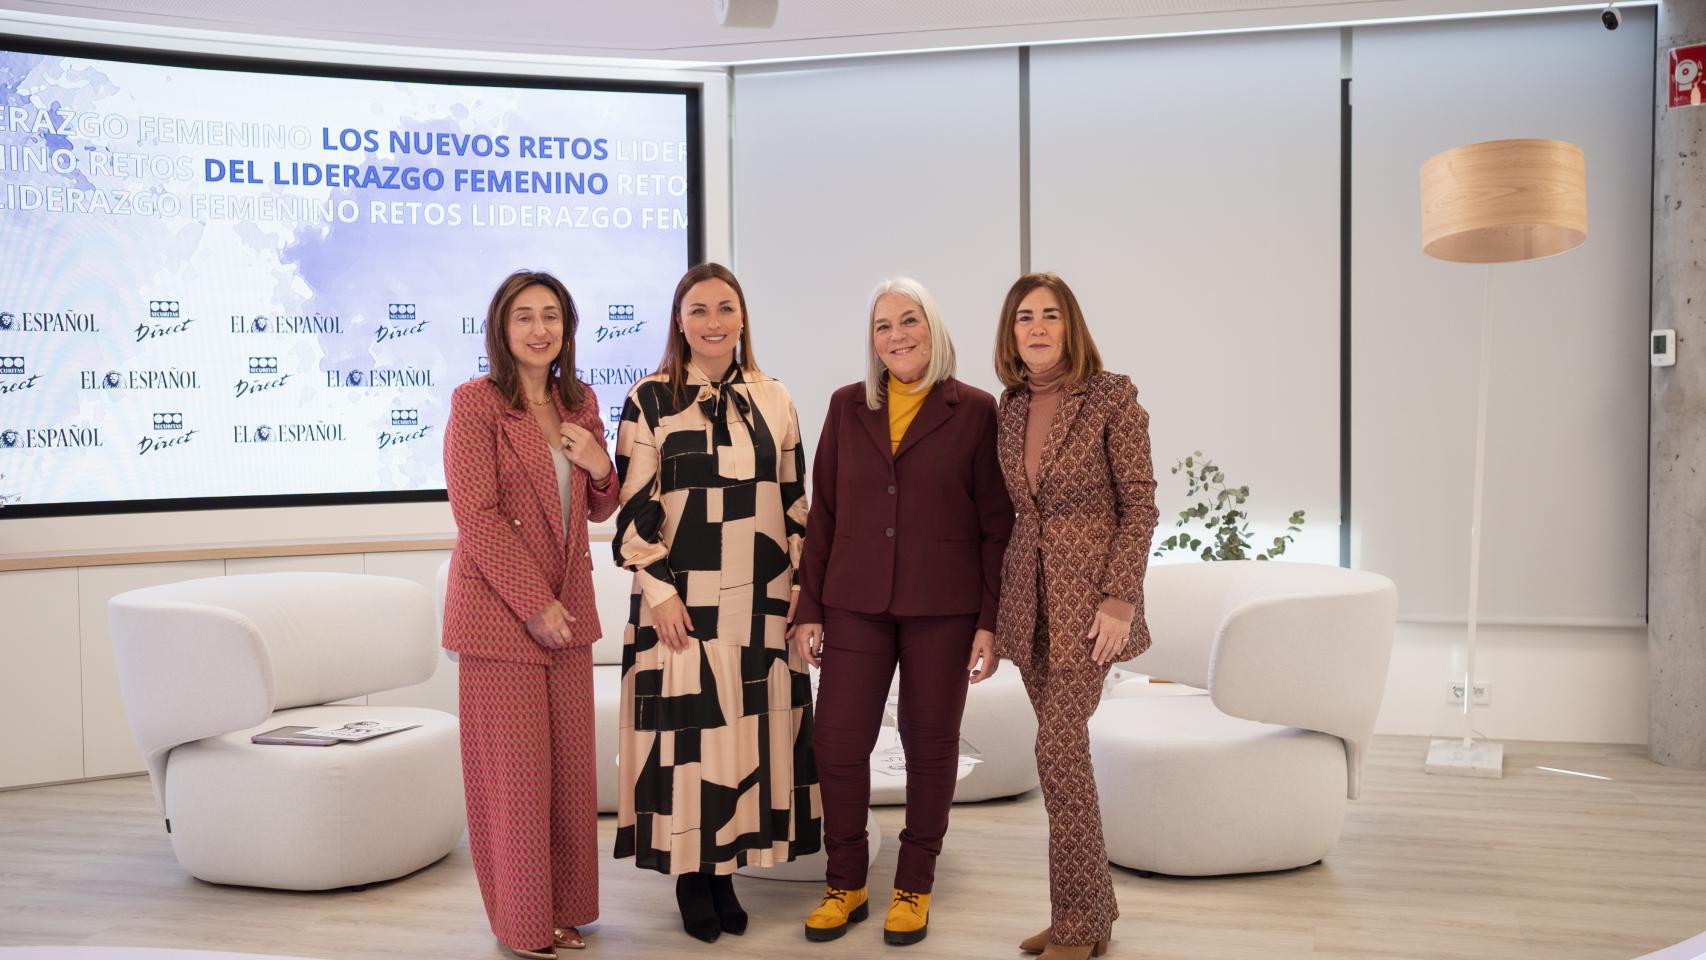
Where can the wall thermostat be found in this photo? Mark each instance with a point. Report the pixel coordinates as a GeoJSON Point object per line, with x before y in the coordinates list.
{"type": "Point", "coordinates": [1663, 345]}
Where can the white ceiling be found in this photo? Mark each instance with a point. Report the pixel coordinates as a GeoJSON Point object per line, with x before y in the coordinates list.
{"type": "Point", "coordinates": [687, 31]}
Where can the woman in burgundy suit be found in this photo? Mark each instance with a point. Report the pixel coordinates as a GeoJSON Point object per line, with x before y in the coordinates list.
{"type": "Point", "coordinates": [525, 462]}
{"type": "Point", "coordinates": [902, 565]}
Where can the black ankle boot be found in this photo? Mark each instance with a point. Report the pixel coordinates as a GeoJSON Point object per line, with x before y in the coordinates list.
{"type": "Point", "coordinates": [729, 914]}
{"type": "Point", "coordinates": [698, 916]}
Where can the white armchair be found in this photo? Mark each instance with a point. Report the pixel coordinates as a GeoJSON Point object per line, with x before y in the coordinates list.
{"type": "Point", "coordinates": [204, 664]}
{"type": "Point", "coordinates": [1254, 776]}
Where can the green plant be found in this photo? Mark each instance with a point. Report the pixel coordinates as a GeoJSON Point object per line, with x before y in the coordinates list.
{"type": "Point", "coordinates": [1225, 521]}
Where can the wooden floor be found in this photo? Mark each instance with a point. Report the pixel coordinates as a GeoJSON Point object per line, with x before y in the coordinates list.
{"type": "Point", "coordinates": [1540, 866]}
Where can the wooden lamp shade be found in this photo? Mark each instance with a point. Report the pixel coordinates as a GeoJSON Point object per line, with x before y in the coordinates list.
{"type": "Point", "coordinates": [1504, 200]}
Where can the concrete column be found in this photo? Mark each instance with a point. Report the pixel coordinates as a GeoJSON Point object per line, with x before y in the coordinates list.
{"type": "Point", "coordinates": [1676, 555]}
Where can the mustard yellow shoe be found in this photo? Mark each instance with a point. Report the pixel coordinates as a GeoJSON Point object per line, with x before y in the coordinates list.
{"type": "Point", "coordinates": [838, 909]}
{"type": "Point", "coordinates": [909, 918]}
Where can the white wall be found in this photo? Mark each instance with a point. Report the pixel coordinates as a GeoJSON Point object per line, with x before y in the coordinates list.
{"type": "Point", "coordinates": [1565, 527]}
{"type": "Point", "coordinates": [846, 173]}
{"type": "Point", "coordinates": [1194, 208]}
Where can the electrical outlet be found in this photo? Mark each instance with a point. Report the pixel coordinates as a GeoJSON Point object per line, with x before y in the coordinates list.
{"type": "Point", "coordinates": [1483, 693]}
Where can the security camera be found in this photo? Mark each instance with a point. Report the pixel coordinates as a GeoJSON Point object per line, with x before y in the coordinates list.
{"type": "Point", "coordinates": [1611, 17]}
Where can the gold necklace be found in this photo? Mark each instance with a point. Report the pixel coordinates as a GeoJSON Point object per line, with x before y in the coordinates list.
{"type": "Point", "coordinates": [540, 403]}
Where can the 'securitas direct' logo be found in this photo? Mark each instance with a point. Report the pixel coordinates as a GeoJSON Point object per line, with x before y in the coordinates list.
{"type": "Point", "coordinates": [403, 418]}
{"type": "Point", "coordinates": [262, 367]}
{"type": "Point", "coordinates": [484, 365]}
{"type": "Point", "coordinates": [621, 323]}
{"type": "Point", "coordinates": [147, 331]}
{"type": "Point", "coordinates": [175, 434]}
{"type": "Point", "coordinates": [163, 309]}
{"type": "Point", "coordinates": [400, 311]}
{"type": "Point", "coordinates": [11, 367]}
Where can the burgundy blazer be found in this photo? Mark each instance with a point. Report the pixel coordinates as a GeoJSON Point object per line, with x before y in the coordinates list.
{"type": "Point", "coordinates": [919, 533]}
{"type": "Point", "coordinates": [513, 555]}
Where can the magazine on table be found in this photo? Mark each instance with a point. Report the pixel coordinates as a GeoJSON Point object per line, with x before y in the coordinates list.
{"type": "Point", "coordinates": [357, 730]}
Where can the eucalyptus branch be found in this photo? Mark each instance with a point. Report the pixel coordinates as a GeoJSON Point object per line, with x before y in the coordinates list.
{"type": "Point", "coordinates": [1220, 507]}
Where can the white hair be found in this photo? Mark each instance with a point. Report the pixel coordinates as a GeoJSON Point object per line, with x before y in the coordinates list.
{"type": "Point", "coordinates": [941, 345]}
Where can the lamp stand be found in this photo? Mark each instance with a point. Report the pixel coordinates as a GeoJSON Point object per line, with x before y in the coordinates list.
{"type": "Point", "coordinates": [1465, 757]}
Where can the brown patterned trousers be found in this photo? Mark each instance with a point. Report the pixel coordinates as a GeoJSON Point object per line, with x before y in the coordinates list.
{"type": "Point", "coordinates": [1081, 888]}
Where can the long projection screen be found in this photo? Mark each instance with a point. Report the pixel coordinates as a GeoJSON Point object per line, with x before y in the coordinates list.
{"type": "Point", "coordinates": [231, 283]}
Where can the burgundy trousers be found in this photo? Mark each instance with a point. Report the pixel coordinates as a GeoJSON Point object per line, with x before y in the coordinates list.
{"type": "Point", "coordinates": [861, 652]}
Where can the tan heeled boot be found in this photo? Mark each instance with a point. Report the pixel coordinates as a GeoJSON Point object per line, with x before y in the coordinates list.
{"type": "Point", "coordinates": [1037, 942]}
{"type": "Point", "coordinates": [1075, 951]}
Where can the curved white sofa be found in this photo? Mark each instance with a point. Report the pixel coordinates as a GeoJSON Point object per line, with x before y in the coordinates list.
{"type": "Point", "coordinates": [204, 664]}
{"type": "Point", "coordinates": [1255, 775]}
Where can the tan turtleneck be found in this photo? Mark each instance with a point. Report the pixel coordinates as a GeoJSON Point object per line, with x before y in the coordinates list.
{"type": "Point", "coordinates": [1045, 399]}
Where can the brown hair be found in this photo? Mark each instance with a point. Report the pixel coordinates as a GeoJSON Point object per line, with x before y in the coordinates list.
{"type": "Point", "coordinates": [497, 340]}
{"type": "Point", "coordinates": [677, 352]}
{"type": "Point", "coordinates": [1083, 360]}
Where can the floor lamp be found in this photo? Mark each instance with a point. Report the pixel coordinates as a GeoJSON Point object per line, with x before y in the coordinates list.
{"type": "Point", "coordinates": [1495, 202]}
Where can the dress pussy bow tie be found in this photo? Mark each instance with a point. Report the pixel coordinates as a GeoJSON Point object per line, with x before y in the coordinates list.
{"type": "Point", "coordinates": [714, 398]}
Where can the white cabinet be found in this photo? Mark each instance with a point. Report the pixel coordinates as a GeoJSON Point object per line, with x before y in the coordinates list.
{"type": "Point", "coordinates": [39, 686]}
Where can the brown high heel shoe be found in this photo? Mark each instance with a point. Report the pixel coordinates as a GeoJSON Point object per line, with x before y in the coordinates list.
{"type": "Point", "coordinates": [1075, 951]}
{"type": "Point", "coordinates": [568, 938]}
{"type": "Point", "coordinates": [546, 953]}
{"type": "Point", "coordinates": [1037, 942]}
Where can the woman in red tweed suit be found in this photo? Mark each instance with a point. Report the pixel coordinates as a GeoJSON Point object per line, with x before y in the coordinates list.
{"type": "Point", "coordinates": [526, 466]}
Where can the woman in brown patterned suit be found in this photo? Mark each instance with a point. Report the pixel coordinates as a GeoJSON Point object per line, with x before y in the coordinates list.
{"type": "Point", "coordinates": [715, 726]}
{"type": "Point", "coordinates": [1074, 447]}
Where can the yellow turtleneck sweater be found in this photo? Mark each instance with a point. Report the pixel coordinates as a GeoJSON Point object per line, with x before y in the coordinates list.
{"type": "Point", "coordinates": [904, 403]}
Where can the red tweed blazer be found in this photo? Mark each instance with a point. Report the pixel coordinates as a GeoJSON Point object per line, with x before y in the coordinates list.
{"type": "Point", "coordinates": [513, 555]}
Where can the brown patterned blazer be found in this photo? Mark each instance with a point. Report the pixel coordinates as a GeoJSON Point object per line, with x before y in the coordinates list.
{"type": "Point", "coordinates": [1090, 521]}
